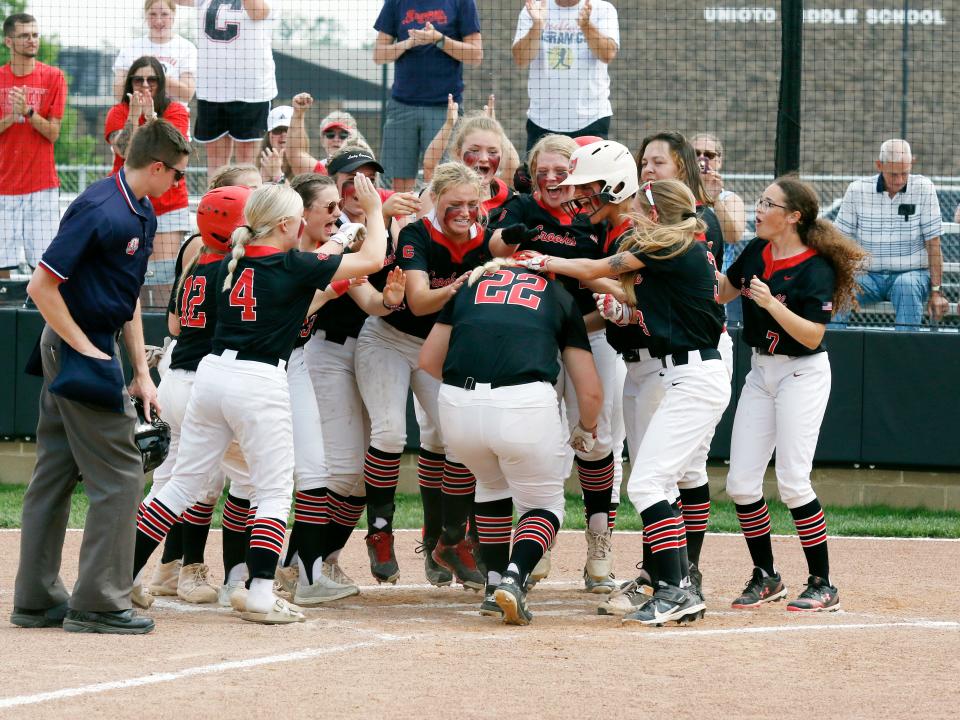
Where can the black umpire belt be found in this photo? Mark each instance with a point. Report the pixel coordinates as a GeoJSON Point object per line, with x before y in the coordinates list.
{"type": "Point", "coordinates": [685, 357]}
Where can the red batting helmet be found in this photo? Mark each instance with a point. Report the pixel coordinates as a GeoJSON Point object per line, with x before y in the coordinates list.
{"type": "Point", "coordinates": [585, 140]}
{"type": "Point", "coordinates": [219, 213]}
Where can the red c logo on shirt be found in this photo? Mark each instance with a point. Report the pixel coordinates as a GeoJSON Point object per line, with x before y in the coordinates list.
{"type": "Point", "coordinates": [408, 251]}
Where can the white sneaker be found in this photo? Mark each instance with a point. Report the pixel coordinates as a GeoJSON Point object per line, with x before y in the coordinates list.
{"type": "Point", "coordinates": [227, 590]}
{"type": "Point", "coordinates": [165, 578]}
{"type": "Point", "coordinates": [599, 554]}
{"type": "Point", "coordinates": [141, 597]}
{"type": "Point", "coordinates": [194, 587]}
{"type": "Point", "coordinates": [628, 597]}
{"type": "Point", "coordinates": [333, 571]}
{"type": "Point", "coordinates": [323, 590]}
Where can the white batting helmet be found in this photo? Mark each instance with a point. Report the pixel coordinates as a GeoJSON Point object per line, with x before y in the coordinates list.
{"type": "Point", "coordinates": [607, 162]}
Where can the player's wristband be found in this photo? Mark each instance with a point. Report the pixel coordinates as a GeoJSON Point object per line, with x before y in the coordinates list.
{"type": "Point", "coordinates": [390, 307]}
{"type": "Point", "coordinates": [29, 113]}
{"type": "Point", "coordinates": [340, 286]}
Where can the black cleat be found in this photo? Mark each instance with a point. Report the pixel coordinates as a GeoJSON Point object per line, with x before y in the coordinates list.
{"type": "Point", "coordinates": [668, 604]}
{"type": "Point", "coordinates": [819, 596]}
{"type": "Point", "coordinates": [512, 600]}
{"type": "Point", "coordinates": [760, 590]}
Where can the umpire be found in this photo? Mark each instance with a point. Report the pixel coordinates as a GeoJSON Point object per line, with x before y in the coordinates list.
{"type": "Point", "coordinates": [86, 287]}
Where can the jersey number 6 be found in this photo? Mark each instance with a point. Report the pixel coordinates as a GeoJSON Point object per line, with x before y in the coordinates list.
{"type": "Point", "coordinates": [523, 293]}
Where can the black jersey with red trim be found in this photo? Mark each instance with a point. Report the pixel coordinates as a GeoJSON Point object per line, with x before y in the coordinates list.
{"type": "Point", "coordinates": [423, 247]}
{"type": "Point", "coordinates": [677, 300]}
{"type": "Point", "coordinates": [804, 283]}
{"type": "Point", "coordinates": [560, 235]}
{"type": "Point", "coordinates": [500, 195]}
{"type": "Point", "coordinates": [508, 329]}
{"type": "Point", "coordinates": [343, 317]}
{"type": "Point", "coordinates": [196, 305]}
{"type": "Point", "coordinates": [714, 234]}
{"type": "Point", "coordinates": [630, 337]}
{"type": "Point", "coordinates": [263, 311]}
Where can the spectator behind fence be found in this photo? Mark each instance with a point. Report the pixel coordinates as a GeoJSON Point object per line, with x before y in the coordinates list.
{"type": "Point", "coordinates": [336, 130]}
{"type": "Point", "coordinates": [145, 97]}
{"type": "Point", "coordinates": [273, 159]}
{"type": "Point", "coordinates": [429, 43]}
{"type": "Point", "coordinates": [727, 205]}
{"type": "Point", "coordinates": [33, 96]}
{"type": "Point", "coordinates": [177, 54]}
{"type": "Point", "coordinates": [895, 216]}
{"type": "Point", "coordinates": [236, 78]}
{"type": "Point", "coordinates": [568, 45]}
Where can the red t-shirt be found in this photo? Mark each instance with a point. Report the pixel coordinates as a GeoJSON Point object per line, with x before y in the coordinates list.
{"type": "Point", "coordinates": [175, 114]}
{"type": "Point", "coordinates": [26, 156]}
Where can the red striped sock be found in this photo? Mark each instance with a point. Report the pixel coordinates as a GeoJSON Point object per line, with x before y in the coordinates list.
{"type": "Point", "coordinates": [266, 543]}
{"type": "Point", "coordinates": [754, 521]}
{"type": "Point", "coordinates": [812, 528]}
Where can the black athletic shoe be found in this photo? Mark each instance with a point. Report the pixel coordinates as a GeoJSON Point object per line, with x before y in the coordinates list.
{"type": "Point", "coordinates": [459, 560]}
{"type": "Point", "coordinates": [489, 606]}
{"type": "Point", "coordinates": [819, 596]}
{"type": "Point", "coordinates": [118, 622]}
{"type": "Point", "coordinates": [383, 561]}
{"type": "Point", "coordinates": [51, 617]}
{"type": "Point", "coordinates": [760, 590]}
{"type": "Point", "coordinates": [668, 604]}
{"type": "Point", "coordinates": [436, 574]}
{"type": "Point", "coordinates": [512, 600]}
{"type": "Point", "coordinates": [696, 580]}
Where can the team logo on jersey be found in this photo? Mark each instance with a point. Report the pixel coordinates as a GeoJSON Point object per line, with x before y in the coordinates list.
{"type": "Point", "coordinates": [408, 251]}
{"type": "Point", "coordinates": [322, 256]}
{"type": "Point", "coordinates": [133, 245]}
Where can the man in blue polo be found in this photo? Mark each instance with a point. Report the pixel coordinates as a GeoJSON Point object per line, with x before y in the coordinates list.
{"type": "Point", "coordinates": [87, 287]}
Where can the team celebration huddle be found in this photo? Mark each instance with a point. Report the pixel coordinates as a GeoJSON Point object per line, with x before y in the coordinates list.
{"type": "Point", "coordinates": [548, 310]}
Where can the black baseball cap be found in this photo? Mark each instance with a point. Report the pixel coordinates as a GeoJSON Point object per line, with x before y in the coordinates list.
{"type": "Point", "coordinates": [351, 160]}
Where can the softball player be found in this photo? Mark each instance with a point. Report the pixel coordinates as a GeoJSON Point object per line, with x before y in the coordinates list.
{"type": "Point", "coordinates": [481, 144]}
{"type": "Point", "coordinates": [666, 156]}
{"type": "Point", "coordinates": [192, 318]}
{"type": "Point", "coordinates": [670, 282]}
{"type": "Point", "coordinates": [798, 271]}
{"type": "Point", "coordinates": [241, 388]}
{"type": "Point", "coordinates": [557, 233]}
{"type": "Point", "coordinates": [499, 414]}
{"type": "Point", "coordinates": [434, 252]}
{"type": "Point", "coordinates": [329, 496]}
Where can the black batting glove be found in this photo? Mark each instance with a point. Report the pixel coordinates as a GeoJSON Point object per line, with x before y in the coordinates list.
{"type": "Point", "coordinates": [517, 234]}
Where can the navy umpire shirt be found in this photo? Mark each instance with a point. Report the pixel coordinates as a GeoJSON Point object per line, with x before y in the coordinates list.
{"type": "Point", "coordinates": [100, 254]}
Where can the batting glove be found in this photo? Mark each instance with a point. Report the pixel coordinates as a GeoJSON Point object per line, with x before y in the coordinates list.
{"type": "Point", "coordinates": [518, 234]}
{"type": "Point", "coordinates": [613, 310]}
{"type": "Point", "coordinates": [582, 440]}
{"type": "Point", "coordinates": [531, 260]}
{"type": "Point", "coordinates": [349, 233]}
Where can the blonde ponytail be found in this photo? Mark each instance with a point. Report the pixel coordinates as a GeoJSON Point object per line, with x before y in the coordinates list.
{"type": "Point", "coordinates": [267, 207]}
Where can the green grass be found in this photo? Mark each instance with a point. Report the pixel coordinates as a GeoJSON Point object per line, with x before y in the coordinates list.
{"type": "Point", "coordinates": [874, 520]}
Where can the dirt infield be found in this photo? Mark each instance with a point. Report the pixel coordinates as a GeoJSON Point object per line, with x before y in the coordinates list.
{"type": "Point", "coordinates": [413, 651]}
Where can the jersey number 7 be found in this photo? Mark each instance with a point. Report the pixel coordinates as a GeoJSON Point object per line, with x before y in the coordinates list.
{"type": "Point", "coordinates": [524, 293]}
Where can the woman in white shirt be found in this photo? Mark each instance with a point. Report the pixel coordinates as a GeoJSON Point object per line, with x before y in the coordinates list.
{"type": "Point", "coordinates": [177, 54]}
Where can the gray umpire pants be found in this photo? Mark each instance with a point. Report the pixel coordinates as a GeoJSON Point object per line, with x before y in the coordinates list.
{"type": "Point", "coordinates": [75, 438]}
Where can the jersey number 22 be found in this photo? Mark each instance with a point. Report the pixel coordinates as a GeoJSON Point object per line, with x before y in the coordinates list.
{"type": "Point", "coordinates": [524, 293]}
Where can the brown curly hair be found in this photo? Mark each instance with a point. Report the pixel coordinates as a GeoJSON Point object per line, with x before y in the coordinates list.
{"type": "Point", "coordinates": [845, 256]}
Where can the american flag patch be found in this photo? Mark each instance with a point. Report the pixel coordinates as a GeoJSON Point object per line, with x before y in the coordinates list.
{"type": "Point", "coordinates": [827, 306]}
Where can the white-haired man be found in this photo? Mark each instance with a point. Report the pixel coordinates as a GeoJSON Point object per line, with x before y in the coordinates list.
{"type": "Point", "coordinates": [896, 216]}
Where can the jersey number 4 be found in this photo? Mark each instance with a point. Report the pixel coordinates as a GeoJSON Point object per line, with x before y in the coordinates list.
{"type": "Point", "coordinates": [524, 293]}
{"type": "Point", "coordinates": [194, 292]}
{"type": "Point", "coordinates": [241, 295]}
{"type": "Point", "coordinates": [213, 28]}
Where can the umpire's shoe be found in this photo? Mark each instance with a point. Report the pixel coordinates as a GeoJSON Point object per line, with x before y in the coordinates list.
{"type": "Point", "coordinates": [668, 604]}
{"type": "Point", "coordinates": [512, 599]}
{"type": "Point", "coordinates": [117, 622]}
{"type": "Point", "coordinates": [51, 617]}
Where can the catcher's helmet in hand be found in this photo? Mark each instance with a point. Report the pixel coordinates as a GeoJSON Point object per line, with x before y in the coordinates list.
{"type": "Point", "coordinates": [152, 438]}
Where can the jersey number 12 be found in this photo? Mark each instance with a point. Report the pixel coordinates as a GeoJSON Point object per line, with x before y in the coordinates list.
{"type": "Point", "coordinates": [194, 291]}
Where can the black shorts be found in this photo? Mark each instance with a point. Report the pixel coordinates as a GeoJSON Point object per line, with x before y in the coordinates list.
{"type": "Point", "coordinates": [242, 121]}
